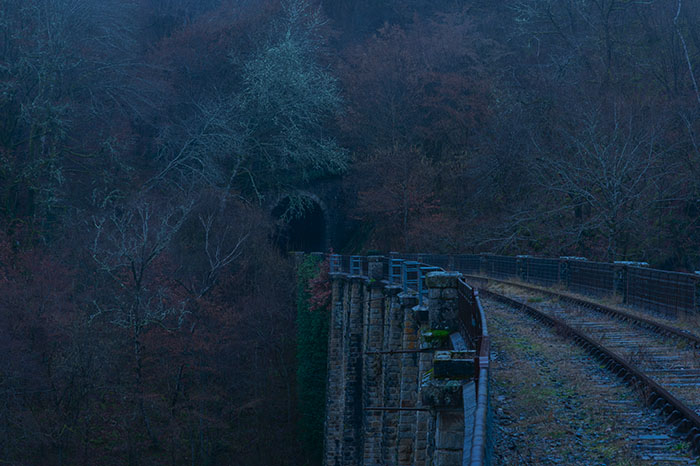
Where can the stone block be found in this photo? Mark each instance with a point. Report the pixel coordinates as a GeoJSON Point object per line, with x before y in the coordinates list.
{"type": "Point", "coordinates": [448, 294]}
{"type": "Point", "coordinates": [408, 300]}
{"type": "Point", "coordinates": [452, 440]}
{"type": "Point", "coordinates": [441, 393]}
{"type": "Point", "coordinates": [450, 431]}
{"type": "Point", "coordinates": [453, 365]}
{"type": "Point", "coordinates": [422, 315]}
{"type": "Point", "coordinates": [442, 279]}
{"type": "Point", "coordinates": [448, 458]}
{"type": "Point", "coordinates": [375, 267]}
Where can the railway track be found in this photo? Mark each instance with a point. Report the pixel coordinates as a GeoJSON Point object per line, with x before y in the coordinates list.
{"type": "Point", "coordinates": [555, 405]}
{"type": "Point", "coordinates": [661, 361]}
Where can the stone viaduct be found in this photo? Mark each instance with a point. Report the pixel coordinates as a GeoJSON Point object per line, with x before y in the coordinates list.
{"type": "Point", "coordinates": [404, 385]}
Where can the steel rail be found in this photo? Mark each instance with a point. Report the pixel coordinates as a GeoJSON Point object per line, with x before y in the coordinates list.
{"type": "Point", "coordinates": [678, 414]}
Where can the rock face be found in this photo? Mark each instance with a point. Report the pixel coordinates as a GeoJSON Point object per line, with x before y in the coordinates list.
{"type": "Point", "coordinates": [385, 405]}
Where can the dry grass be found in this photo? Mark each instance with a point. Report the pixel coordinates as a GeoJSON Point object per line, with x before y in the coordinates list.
{"type": "Point", "coordinates": [549, 399]}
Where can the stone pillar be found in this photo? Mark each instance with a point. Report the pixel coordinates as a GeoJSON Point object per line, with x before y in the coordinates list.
{"type": "Point", "coordinates": [443, 306]}
{"type": "Point", "coordinates": [423, 419]}
{"type": "Point", "coordinates": [335, 393]}
{"type": "Point", "coordinates": [391, 373]}
{"type": "Point", "coordinates": [409, 381]}
{"type": "Point", "coordinates": [449, 439]}
{"type": "Point", "coordinates": [352, 412]}
{"type": "Point", "coordinates": [375, 268]}
{"type": "Point", "coordinates": [469, 400]}
{"type": "Point", "coordinates": [372, 374]}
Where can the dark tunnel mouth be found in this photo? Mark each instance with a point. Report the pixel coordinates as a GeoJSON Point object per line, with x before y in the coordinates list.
{"type": "Point", "coordinates": [304, 232]}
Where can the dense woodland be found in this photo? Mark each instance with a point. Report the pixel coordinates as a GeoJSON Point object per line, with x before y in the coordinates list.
{"type": "Point", "coordinates": [146, 312]}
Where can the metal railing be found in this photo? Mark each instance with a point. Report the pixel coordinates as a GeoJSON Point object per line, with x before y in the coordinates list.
{"type": "Point", "coordinates": [596, 278]}
{"type": "Point", "coordinates": [671, 293]}
{"type": "Point", "coordinates": [395, 271]}
{"type": "Point", "coordinates": [540, 270]}
{"type": "Point", "coordinates": [662, 291]}
{"type": "Point", "coordinates": [475, 331]}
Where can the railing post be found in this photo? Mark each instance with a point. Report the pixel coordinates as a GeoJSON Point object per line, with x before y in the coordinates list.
{"type": "Point", "coordinates": [620, 281]}
{"type": "Point", "coordinates": [298, 258]}
{"type": "Point", "coordinates": [451, 263]}
{"type": "Point", "coordinates": [395, 271]}
{"type": "Point", "coordinates": [483, 264]}
{"type": "Point", "coordinates": [521, 269]}
{"type": "Point", "coordinates": [410, 270]}
{"type": "Point", "coordinates": [356, 265]}
{"type": "Point", "coordinates": [564, 272]}
{"type": "Point", "coordinates": [566, 268]}
{"type": "Point", "coordinates": [334, 263]}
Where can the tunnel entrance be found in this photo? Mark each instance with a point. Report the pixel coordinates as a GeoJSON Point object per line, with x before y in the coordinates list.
{"type": "Point", "coordinates": [300, 231]}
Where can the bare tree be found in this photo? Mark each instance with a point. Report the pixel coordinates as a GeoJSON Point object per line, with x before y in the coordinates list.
{"type": "Point", "coordinates": [270, 133]}
{"type": "Point", "coordinates": [686, 53]}
{"type": "Point", "coordinates": [609, 178]}
{"type": "Point", "coordinates": [218, 237]}
{"type": "Point", "coordinates": [65, 66]}
{"type": "Point", "coordinates": [127, 248]}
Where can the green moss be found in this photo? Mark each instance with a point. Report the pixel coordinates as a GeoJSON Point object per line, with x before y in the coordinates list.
{"type": "Point", "coordinates": [312, 360]}
{"type": "Point", "coordinates": [435, 337]}
{"type": "Point", "coordinates": [680, 446]}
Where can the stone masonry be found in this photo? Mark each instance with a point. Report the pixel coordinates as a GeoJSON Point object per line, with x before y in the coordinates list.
{"type": "Point", "coordinates": [379, 361]}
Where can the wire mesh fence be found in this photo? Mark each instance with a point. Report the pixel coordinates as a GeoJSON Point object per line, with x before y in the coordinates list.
{"type": "Point", "coordinates": [500, 266]}
{"type": "Point", "coordinates": [436, 260]}
{"type": "Point", "coordinates": [597, 278]}
{"type": "Point", "coordinates": [661, 291]}
{"type": "Point", "coordinates": [539, 270]}
{"type": "Point", "coordinates": [467, 263]}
